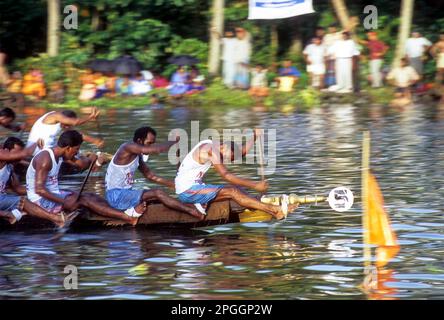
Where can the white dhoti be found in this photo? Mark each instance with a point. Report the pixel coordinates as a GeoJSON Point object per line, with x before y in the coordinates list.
{"type": "Point", "coordinates": [375, 72]}
{"type": "Point", "coordinates": [344, 74]}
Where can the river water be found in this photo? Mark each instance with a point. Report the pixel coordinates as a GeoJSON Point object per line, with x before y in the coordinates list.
{"type": "Point", "coordinates": [315, 253]}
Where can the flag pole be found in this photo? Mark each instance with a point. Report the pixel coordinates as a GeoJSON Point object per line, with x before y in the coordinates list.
{"type": "Point", "coordinates": [364, 191]}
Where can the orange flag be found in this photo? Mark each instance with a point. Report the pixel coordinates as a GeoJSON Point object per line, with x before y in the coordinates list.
{"type": "Point", "coordinates": [380, 231]}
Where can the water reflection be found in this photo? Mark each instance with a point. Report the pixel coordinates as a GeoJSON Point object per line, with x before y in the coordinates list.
{"type": "Point", "coordinates": [314, 254]}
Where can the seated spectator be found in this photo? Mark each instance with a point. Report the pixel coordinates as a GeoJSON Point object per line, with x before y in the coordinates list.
{"type": "Point", "coordinates": [111, 84]}
{"type": "Point", "coordinates": [140, 86]}
{"type": "Point", "coordinates": [33, 84]}
{"type": "Point", "coordinates": [403, 77]}
{"type": "Point", "coordinates": [56, 92]}
{"type": "Point", "coordinates": [196, 85]}
{"type": "Point", "coordinates": [123, 86]}
{"type": "Point", "coordinates": [179, 82]}
{"type": "Point", "coordinates": [258, 85]}
{"type": "Point", "coordinates": [159, 81]}
{"type": "Point", "coordinates": [288, 76]}
{"type": "Point", "coordinates": [100, 82]}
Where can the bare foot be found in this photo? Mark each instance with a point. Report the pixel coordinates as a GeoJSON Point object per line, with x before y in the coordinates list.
{"type": "Point", "coordinates": [11, 219]}
{"type": "Point", "coordinates": [141, 208]}
{"type": "Point", "coordinates": [133, 221]}
{"type": "Point", "coordinates": [195, 213]}
{"type": "Point", "coordinates": [279, 214]}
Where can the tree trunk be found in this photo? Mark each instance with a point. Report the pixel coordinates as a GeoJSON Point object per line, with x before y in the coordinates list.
{"type": "Point", "coordinates": [404, 29]}
{"type": "Point", "coordinates": [296, 38]}
{"type": "Point", "coordinates": [341, 13]}
{"type": "Point", "coordinates": [217, 24]}
{"type": "Point", "coordinates": [274, 39]}
{"type": "Point", "coordinates": [53, 37]}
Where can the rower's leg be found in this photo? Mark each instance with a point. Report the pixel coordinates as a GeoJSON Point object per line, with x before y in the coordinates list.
{"type": "Point", "coordinates": [36, 211]}
{"type": "Point", "coordinates": [7, 216]}
{"type": "Point", "coordinates": [101, 207]}
{"type": "Point", "coordinates": [245, 200]}
{"type": "Point", "coordinates": [170, 202]}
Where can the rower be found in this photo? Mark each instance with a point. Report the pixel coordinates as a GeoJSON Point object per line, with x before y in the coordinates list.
{"type": "Point", "coordinates": [43, 184]}
{"type": "Point", "coordinates": [50, 125]}
{"type": "Point", "coordinates": [207, 154]}
{"type": "Point", "coordinates": [14, 206]}
{"type": "Point", "coordinates": [7, 117]}
{"type": "Point", "coordinates": [119, 179]}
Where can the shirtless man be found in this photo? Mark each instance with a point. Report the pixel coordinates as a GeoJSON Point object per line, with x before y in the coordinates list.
{"type": "Point", "coordinates": [207, 154]}
{"type": "Point", "coordinates": [50, 125]}
{"type": "Point", "coordinates": [14, 206]}
{"type": "Point", "coordinates": [120, 176]}
{"type": "Point", "coordinates": [42, 182]}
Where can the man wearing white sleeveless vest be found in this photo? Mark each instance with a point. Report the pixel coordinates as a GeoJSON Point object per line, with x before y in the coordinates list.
{"type": "Point", "coordinates": [14, 206]}
{"type": "Point", "coordinates": [49, 126]}
{"type": "Point", "coordinates": [207, 154]}
{"type": "Point", "coordinates": [119, 179]}
{"type": "Point", "coordinates": [43, 186]}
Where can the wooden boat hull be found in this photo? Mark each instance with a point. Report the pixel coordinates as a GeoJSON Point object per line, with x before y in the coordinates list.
{"type": "Point", "coordinates": [156, 215]}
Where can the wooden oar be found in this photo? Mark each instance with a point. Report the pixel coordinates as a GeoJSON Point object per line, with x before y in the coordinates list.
{"type": "Point", "coordinates": [261, 161]}
{"type": "Point", "coordinates": [86, 179]}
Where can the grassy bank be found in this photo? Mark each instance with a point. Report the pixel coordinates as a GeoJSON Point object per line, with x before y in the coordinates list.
{"type": "Point", "coordinates": [217, 95]}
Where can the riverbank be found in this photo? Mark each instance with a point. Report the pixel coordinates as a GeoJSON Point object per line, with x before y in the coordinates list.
{"type": "Point", "coordinates": [216, 94]}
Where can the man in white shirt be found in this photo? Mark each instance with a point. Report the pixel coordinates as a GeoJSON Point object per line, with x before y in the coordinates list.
{"type": "Point", "coordinates": [403, 77]}
{"type": "Point", "coordinates": [344, 50]}
{"type": "Point", "coordinates": [415, 48]}
{"type": "Point", "coordinates": [228, 56]}
{"type": "Point", "coordinates": [314, 55]}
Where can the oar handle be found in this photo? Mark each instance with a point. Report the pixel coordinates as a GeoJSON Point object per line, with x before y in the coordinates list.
{"type": "Point", "coordinates": [91, 166]}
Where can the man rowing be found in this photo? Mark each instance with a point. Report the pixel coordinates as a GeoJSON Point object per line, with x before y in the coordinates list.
{"type": "Point", "coordinates": [119, 178]}
{"type": "Point", "coordinates": [14, 206]}
{"type": "Point", "coordinates": [207, 154]}
{"type": "Point", "coordinates": [43, 184]}
{"type": "Point", "coordinates": [7, 117]}
{"type": "Point", "coordinates": [49, 126]}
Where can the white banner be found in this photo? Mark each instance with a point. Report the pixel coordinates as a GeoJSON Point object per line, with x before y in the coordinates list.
{"type": "Point", "coordinates": [278, 9]}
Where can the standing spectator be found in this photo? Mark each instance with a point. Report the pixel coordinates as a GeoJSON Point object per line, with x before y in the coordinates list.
{"type": "Point", "coordinates": [415, 48]}
{"type": "Point", "coordinates": [320, 33]}
{"type": "Point", "coordinates": [314, 55]}
{"type": "Point", "coordinates": [344, 51]}
{"type": "Point", "coordinates": [328, 41]}
{"type": "Point", "coordinates": [403, 78]}
{"type": "Point", "coordinates": [377, 49]}
{"type": "Point", "coordinates": [242, 58]}
{"type": "Point", "coordinates": [228, 56]}
{"type": "Point", "coordinates": [438, 53]}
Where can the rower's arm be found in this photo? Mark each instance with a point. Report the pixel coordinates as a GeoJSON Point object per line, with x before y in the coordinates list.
{"type": "Point", "coordinates": [233, 179]}
{"type": "Point", "coordinates": [15, 127]}
{"type": "Point", "coordinates": [82, 162]}
{"type": "Point", "coordinates": [136, 148]}
{"type": "Point", "coordinates": [61, 118]}
{"type": "Point", "coordinates": [147, 173]}
{"type": "Point", "coordinates": [16, 186]}
{"type": "Point", "coordinates": [43, 164]}
{"type": "Point", "coordinates": [96, 141]}
{"type": "Point", "coordinates": [8, 156]}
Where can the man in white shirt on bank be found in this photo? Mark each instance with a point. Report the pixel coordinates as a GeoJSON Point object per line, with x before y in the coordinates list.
{"type": "Point", "coordinates": [314, 55]}
{"type": "Point", "coordinates": [415, 48]}
{"type": "Point", "coordinates": [344, 50]}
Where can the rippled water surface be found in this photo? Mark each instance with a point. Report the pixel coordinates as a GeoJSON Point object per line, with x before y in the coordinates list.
{"type": "Point", "coordinates": [314, 254]}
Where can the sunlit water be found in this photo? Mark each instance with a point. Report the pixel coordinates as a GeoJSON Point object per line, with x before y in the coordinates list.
{"type": "Point", "coordinates": [315, 254]}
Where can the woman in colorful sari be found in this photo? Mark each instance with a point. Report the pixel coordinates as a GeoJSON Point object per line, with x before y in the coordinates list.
{"type": "Point", "coordinates": [179, 82]}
